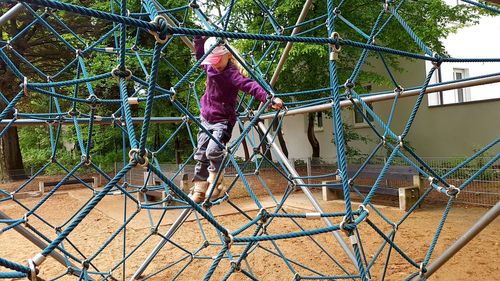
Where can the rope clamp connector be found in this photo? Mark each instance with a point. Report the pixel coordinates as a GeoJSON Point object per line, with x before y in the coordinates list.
{"type": "Point", "coordinates": [118, 73]}
{"type": "Point", "coordinates": [38, 259]}
{"type": "Point", "coordinates": [194, 5]}
{"type": "Point", "coordinates": [25, 219]}
{"type": "Point", "coordinates": [342, 224]}
{"type": "Point", "coordinates": [264, 216]}
{"type": "Point", "coordinates": [400, 139]}
{"type": "Point", "coordinates": [313, 216]}
{"type": "Point", "coordinates": [174, 93]}
{"type": "Point", "coordinates": [399, 90]}
{"type": "Point", "coordinates": [236, 266]}
{"type": "Point", "coordinates": [86, 159]}
{"type": "Point", "coordinates": [133, 100]}
{"type": "Point", "coordinates": [349, 84]}
{"type": "Point", "coordinates": [25, 85]}
{"type": "Point", "coordinates": [353, 239]}
{"type": "Point", "coordinates": [334, 54]}
{"type": "Point", "coordinates": [336, 11]}
{"type": "Point", "coordinates": [431, 180]}
{"type": "Point", "coordinates": [453, 191]}
{"type": "Point", "coordinates": [156, 34]}
{"type": "Point", "coordinates": [395, 226]}
{"type": "Point", "coordinates": [229, 240]}
{"type": "Point", "coordinates": [33, 270]}
{"type": "Point", "coordinates": [86, 264]}
{"type": "Point", "coordinates": [133, 155]}
{"type": "Point", "coordinates": [363, 208]}
{"type": "Point", "coordinates": [282, 30]}
{"type": "Point", "coordinates": [422, 269]}
{"type": "Point", "coordinates": [93, 100]}
{"type": "Point", "coordinates": [386, 5]}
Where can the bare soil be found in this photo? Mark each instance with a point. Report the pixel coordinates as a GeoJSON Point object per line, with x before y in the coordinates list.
{"type": "Point", "coordinates": [479, 259]}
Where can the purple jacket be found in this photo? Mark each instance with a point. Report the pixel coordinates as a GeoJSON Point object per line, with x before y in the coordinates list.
{"type": "Point", "coordinates": [219, 101]}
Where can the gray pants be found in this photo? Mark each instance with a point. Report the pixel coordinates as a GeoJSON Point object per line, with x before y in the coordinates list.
{"type": "Point", "coordinates": [208, 154]}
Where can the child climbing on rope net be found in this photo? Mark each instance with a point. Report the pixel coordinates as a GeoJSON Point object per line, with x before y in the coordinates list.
{"type": "Point", "coordinates": [218, 113]}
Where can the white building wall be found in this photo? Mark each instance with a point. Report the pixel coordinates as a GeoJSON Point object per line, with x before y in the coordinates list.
{"type": "Point", "coordinates": [477, 41]}
{"type": "Point", "coordinates": [480, 41]}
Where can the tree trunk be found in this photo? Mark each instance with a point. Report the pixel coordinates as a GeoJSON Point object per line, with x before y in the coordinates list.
{"type": "Point", "coordinates": [265, 151]}
{"type": "Point", "coordinates": [11, 164]}
{"type": "Point", "coordinates": [311, 137]}
{"type": "Point", "coordinates": [281, 139]}
{"type": "Point", "coordinates": [11, 161]}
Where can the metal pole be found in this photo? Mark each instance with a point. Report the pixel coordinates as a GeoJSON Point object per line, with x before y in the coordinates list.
{"type": "Point", "coordinates": [37, 242]}
{"type": "Point", "coordinates": [11, 13]}
{"type": "Point", "coordinates": [306, 191]}
{"type": "Point", "coordinates": [288, 47]}
{"type": "Point", "coordinates": [495, 78]}
{"type": "Point", "coordinates": [100, 121]}
{"type": "Point", "coordinates": [175, 226]}
{"type": "Point", "coordinates": [486, 219]}
{"type": "Point", "coordinates": [389, 96]}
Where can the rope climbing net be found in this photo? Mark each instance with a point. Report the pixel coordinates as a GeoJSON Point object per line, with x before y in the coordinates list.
{"type": "Point", "coordinates": [74, 102]}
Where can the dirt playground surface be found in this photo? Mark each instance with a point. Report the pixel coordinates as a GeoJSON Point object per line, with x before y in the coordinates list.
{"type": "Point", "coordinates": [479, 259]}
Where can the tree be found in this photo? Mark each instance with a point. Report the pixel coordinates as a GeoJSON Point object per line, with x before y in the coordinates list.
{"type": "Point", "coordinates": [47, 53]}
{"type": "Point", "coordinates": [306, 67]}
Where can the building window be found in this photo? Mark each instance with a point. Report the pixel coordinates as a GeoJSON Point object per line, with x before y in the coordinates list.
{"type": "Point", "coordinates": [455, 96]}
{"type": "Point", "coordinates": [318, 121]}
{"type": "Point", "coordinates": [358, 117]}
{"type": "Point", "coordinates": [463, 94]}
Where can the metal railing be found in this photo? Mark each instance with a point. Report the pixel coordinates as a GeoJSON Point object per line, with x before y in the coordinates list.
{"type": "Point", "coordinates": [484, 190]}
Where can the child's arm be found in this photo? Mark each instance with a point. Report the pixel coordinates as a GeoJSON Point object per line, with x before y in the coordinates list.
{"type": "Point", "coordinates": [253, 88]}
{"type": "Point", "coordinates": [248, 86]}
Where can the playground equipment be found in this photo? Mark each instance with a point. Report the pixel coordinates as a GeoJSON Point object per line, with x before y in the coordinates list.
{"type": "Point", "coordinates": [237, 246]}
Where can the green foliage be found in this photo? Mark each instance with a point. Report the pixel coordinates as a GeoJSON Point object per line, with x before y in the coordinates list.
{"type": "Point", "coordinates": [305, 68]}
{"type": "Point", "coordinates": [350, 137]}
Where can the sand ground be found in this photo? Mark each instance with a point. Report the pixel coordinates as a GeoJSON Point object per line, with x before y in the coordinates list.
{"type": "Point", "coordinates": [478, 259]}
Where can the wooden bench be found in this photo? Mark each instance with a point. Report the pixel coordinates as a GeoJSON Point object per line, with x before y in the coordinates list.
{"type": "Point", "coordinates": [94, 182]}
{"type": "Point", "coordinates": [152, 196]}
{"type": "Point", "coordinates": [332, 190]}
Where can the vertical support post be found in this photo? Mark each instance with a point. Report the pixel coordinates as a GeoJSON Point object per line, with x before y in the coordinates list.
{"type": "Point", "coordinates": [309, 170]}
{"type": "Point", "coordinates": [330, 194]}
{"type": "Point", "coordinates": [307, 192]}
{"type": "Point", "coordinates": [408, 196]}
{"type": "Point", "coordinates": [95, 183]}
{"type": "Point", "coordinates": [339, 131]}
{"type": "Point", "coordinates": [419, 182]}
